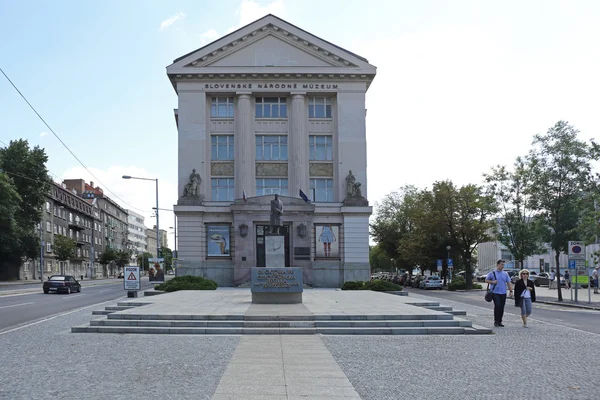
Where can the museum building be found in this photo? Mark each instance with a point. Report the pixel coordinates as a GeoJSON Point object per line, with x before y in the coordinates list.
{"type": "Point", "coordinates": [272, 109]}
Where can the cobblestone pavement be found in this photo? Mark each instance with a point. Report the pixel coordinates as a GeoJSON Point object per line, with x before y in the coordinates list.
{"type": "Point", "coordinates": [513, 363]}
{"type": "Point", "coordinates": [46, 361]}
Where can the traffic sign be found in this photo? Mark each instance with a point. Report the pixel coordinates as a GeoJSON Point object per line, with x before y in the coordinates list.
{"type": "Point", "coordinates": [131, 278]}
{"type": "Point", "coordinates": [439, 265]}
{"type": "Point", "coordinates": [450, 263]}
{"type": "Point", "coordinates": [572, 264]}
{"type": "Point", "coordinates": [576, 250]}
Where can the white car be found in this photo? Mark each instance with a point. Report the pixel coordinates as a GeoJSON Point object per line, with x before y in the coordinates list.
{"type": "Point", "coordinates": [431, 282]}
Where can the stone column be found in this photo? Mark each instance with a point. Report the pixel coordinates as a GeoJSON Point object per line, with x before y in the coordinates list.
{"type": "Point", "coordinates": [298, 147]}
{"type": "Point", "coordinates": [244, 144]}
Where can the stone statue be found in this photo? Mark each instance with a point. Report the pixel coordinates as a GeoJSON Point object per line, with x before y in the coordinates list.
{"type": "Point", "coordinates": [192, 188]}
{"type": "Point", "coordinates": [276, 213]}
{"type": "Point", "coordinates": [352, 186]}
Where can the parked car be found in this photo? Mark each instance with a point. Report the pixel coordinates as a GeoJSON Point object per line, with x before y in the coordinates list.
{"type": "Point", "coordinates": [543, 279]}
{"type": "Point", "coordinates": [431, 282]}
{"type": "Point", "coordinates": [61, 283]}
{"type": "Point", "coordinates": [120, 276]}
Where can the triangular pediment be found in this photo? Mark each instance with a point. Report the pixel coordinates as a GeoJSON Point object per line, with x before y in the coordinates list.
{"type": "Point", "coordinates": [269, 42]}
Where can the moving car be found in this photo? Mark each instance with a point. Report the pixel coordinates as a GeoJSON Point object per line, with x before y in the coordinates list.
{"type": "Point", "coordinates": [543, 279]}
{"type": "Point", "coordinates": [431, 282]}
{"type": "Point", "coordinates": [61, 283]}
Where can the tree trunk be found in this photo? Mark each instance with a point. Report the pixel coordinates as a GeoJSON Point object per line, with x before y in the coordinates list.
{"type": "Point", "coordinates": [556, 256]}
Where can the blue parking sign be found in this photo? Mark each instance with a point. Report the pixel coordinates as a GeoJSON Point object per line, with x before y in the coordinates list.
{"type": "Point", "coordinates": [572, 264]}
{"type": "Point", "coordinates": [450, 263]}
{"type": "Point", "coordinates": [439, 265]}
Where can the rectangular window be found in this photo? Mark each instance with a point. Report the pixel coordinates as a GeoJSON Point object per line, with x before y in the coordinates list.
{"type": "Point", "coordinates": [221, 147]}
{"type": "Point", "coordinates": [319, 107]}
{"type": "Point", "coordinates": [55, 211]}
{"type": "Point", "coordinates": [266, 186]}
{"type": "Point", "coordinates": [321, 190]}
{"type": "Point", "coordinates": [48, 266]}
{"type": "Point", "coordinates": [55, 229]}
{"type": "Point", "coordinates": [48, 226]}
{"type": "Point", "coordinates": [221, 107]}
{"type": "Point", "coordinates": [320, 148]}
{"type": "Point", "coordinates": [48, 206]}
{"type": "Point", "coordinates": [222, 189]}
{"type": "Point", "coordinates": [48, 248]}
{"type": "Point", "coordinates": [271, 107]}
{"type": "Point", "coordinates": [271, 147]}
{"type": "Point", "coordinates": [70, 217]}
{"type": "Point", "coordinates": [78, 252]}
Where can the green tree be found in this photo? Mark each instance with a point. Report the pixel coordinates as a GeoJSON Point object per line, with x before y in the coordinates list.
{"type": "Point", "coordinates": [167, 254]}
{"type": "Point", "coordinates": [466, 213]}
{"type": "Point", "coordinates": [517, 224]}
{"type": "Point", "coordinates": [142, 260]}
{"type": "Point", "coordinates": [121, 258]}
{"type": "Point", "coordinates": [561, 181]}
{"type": "Point", "coordinates": [64, 248]}
{"type": "Point", "coordinates": [108, 255]}
{"type": "Point", "coordinates": [10, 202]}
{"type": "Point", "coordinates": [29, 178]}
{"type": "Point", "coordinates": [379, 260]}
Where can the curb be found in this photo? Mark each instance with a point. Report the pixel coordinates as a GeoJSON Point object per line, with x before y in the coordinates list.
{"type": "Point", "coordinates": [556, 303]}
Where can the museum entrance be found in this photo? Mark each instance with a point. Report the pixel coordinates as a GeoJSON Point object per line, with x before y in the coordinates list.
{"type": "Point", "coordinates": [261, 232]}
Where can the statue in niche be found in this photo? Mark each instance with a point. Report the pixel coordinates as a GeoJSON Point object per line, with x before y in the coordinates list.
{"type": "Point", "coordinates": [352, 186]}
{"type": "Point", "coordinates": [276, 213]}
{"type": "Point", "coordinates": [192, 188]}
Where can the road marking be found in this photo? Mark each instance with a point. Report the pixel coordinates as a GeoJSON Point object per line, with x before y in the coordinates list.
{"type": "Point", "coordinates": [16, 305]}
{"type": "Point", "coordinates": [73, 297]}
{"type": "Point", "coordinates": [57, 315]}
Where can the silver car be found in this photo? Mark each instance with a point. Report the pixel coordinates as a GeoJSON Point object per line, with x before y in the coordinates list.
{"type": "Point", "coordinates": [431, 282]}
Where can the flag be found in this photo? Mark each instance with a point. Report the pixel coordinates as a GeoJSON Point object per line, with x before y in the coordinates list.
{"type": "Point", "coordinates": [244, 196]}
{"type": "Point", "coordinates": [303, 196]}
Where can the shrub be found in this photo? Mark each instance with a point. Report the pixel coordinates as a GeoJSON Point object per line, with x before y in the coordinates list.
{"type": "Point", "coordinates": [382, 286]}
{"type": "Point", "coordinates": [353, 285]}
{"type": "Point", "coordinates": [187, 282]}
{"type": "Point", "coordinates": [477, 286]}
{"type": "Point", "coordinates": [458, 283]}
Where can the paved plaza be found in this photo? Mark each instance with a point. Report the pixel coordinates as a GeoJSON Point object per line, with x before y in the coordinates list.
{"type": "Point", "coordinates": [46, 361]}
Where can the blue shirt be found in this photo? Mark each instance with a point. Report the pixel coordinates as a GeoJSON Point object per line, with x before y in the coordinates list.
{"type": "Point", "coordinates": [502, 278]}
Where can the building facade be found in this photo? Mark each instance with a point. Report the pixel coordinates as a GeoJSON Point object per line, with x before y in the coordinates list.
{"type": "Point", "coordinates": [164, 240]}
{"type": "Point", "coordinates": [151, 240]}
{"type": "Point", "coordinates": [65, 214]}
{"type": "Point", "coordinates": [113, 221]}
{"type": "Point", "coordinates": [272, 109]}
{"type": "Point", "coordinates": [137, 239]}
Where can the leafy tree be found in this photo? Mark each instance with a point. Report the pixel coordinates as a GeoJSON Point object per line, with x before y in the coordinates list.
{"type": "Point", "coordinates": [107, 256]}
{"type": "Point", "coordinates": [29, 178]}
{"type": "Point", "coordinates": [10, 202]}
{"type": "Point", "coordinates": [561, 182]}
{"type": "Point", "coordinates": [379, 260]}
{"type": "Point", "coordinates": [121, 258]}
{"type": "Point", "coordinates": [517, 226]}
{"type": "Point", "coordinates": [167, 254]}
{"type": "Point", "coordinates": [142, 260]}
{"type": "Point", "coordinates": [64, 248]}
{"type": "Point", "coordinates": [466, 213]}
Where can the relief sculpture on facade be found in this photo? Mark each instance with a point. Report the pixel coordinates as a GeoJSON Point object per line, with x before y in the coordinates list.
{"type": "Point", "coordinates": [321, 169]}
{"type": "Point", "coordinates": [271, 169]}
{"type": "Point", "coordinates": [221, 169]}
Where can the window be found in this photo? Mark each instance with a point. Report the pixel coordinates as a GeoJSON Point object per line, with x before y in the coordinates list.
{"type": "Point", "coordinates": [78, 252]}
{"type": "Point", "coordinates": [48, 206]}
{"type": "Point", "coordinates": [48, 226]}
{"type": "Point", "coordinates": [221, 107]}
{"type": "Point", "coordinates": [271, 186]}
{"type": "Point", "coordinates": [222, 189]}
{"type": "Point", "coordinates": [319, 107]}
{"type": "Point", "coordinates": [70, 217]}
{"type": "Point", "coordinates": [271, 147]}
{"type": "Point", "coordinates": [48, 248]}
{"type": "Point", "coordinates": [222, 147]}
{"type": "Point", "coordinates": [322, 189]}
{"type": "Point", "coordinates": [55, 211]}
{"type": "Point", "coordinates": [48, 266]}
{"type": "Point", "coordinates": [55, 229]}
{"type": "Point", "coordinates": [271, 107]}
{"type": "Point", "coordinates": [321, 148]}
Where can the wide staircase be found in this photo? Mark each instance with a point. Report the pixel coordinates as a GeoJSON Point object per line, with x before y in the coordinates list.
{"type": "Point", "coordinates": [445, 323]}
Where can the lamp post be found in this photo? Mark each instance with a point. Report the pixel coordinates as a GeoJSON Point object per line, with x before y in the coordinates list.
{"type": "Point", "coordinates": [448, 248]}
{"type": "Point", "coordinates": [157, 234]}
{"type": "Point", "coordinates": [174, 227]}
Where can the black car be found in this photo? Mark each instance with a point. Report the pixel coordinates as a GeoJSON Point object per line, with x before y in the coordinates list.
{"type": "Point", "coordinates": [61, 283]}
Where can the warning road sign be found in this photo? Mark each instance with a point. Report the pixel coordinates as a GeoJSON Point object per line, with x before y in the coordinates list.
{"type": "Point", "coordinates": [133, 278]}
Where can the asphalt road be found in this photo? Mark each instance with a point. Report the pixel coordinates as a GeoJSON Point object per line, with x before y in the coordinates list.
{"type": "Point", "coordinates": [585, 320]}
{"type": "Point", "coordinates": [27, 303]}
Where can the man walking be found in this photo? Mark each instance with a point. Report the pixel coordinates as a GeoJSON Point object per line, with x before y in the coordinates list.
{"type": "Point", "coordinates": [595, 276]}
{"type": "Point", "coordinates": [500, 280]}
{"type": "Point", "coordinates": [551, 279]}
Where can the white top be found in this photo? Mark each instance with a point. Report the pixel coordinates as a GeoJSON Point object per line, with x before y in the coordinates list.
{"type": "Point", "coordinates": [526, 293]}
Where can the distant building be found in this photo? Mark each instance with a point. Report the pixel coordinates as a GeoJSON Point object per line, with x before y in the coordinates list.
{"type": "Point", "coordinates": [137, 239]}
{"type": "Point", "coordinates": [151, 240]}
{"type": "Point", "coordinates": [164, 241]}
{"type": "Point", "coordinates": [65, 213]}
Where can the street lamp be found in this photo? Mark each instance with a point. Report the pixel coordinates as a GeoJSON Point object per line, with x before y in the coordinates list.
{"type": "Point", "coordinates": [157, 235]}
{"type": "Point", "coordinates": [448, 248]}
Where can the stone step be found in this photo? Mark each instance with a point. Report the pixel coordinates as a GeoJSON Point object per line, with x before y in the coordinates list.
{"type": "Point", "coordinates": [117, 308]}
{"type": "Point", "coordinates": [457, 312]}
{"type": "Point", "coordinates": [241, 317]}
{"type": "Point", "coordinates": [281, 324]}
{"type": "Point", "coordinates": [439, 308]}
{"type": "Point", "coordinates": [102, 312]}
{"type": "Point", "coordinates": [275, 331]}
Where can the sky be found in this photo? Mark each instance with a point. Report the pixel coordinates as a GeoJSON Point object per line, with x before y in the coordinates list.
{"type": "Point", "coordinates": [461, 85]}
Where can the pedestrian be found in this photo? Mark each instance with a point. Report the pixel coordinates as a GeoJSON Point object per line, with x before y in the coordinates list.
{"type": "Point", "coordinates": [500, 280]}
{"type": "Point", "coordinates": [595, 276]}
{"type": "Point", "coordinates": [567, 279]}
{"type": "Point", "coordinates": [524, 295]}
{"type": "Point", "coordinates": [551, 279]}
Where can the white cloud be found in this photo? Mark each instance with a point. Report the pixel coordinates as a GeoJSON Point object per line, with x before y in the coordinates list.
{"type": "Point", "coordinates": [249, 11]}
{"type": "Point", "coordinates": [209, 36]}
{"type": "Point", "coordinates": [42, 134]}
{"type": "Point", "coordinates": [139, 195]}
{"type": "Point", "coordinates": [170, 21]}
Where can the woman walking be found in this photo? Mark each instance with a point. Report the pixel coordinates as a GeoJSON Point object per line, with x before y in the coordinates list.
{"type": "Point", "coordinates": [524, 295]}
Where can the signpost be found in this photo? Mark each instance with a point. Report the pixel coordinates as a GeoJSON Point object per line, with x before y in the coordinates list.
{"type": "Point", "coordinates": [131, 280]}
{"type": "Point", "coordinates": [577, 262]}
{"type": "Point", "coordinates": [439, 265]}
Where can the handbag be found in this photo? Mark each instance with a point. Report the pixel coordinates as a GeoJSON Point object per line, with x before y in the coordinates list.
{"type": "Point", "coordinates": [488, 293]}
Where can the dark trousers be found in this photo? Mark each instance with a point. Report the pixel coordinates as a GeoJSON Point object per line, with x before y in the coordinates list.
{"type": "Point", "coordinates": [499, 302]}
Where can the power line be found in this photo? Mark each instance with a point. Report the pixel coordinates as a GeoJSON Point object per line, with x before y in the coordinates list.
{"type": "Point", "coordinates": [63, 143]}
